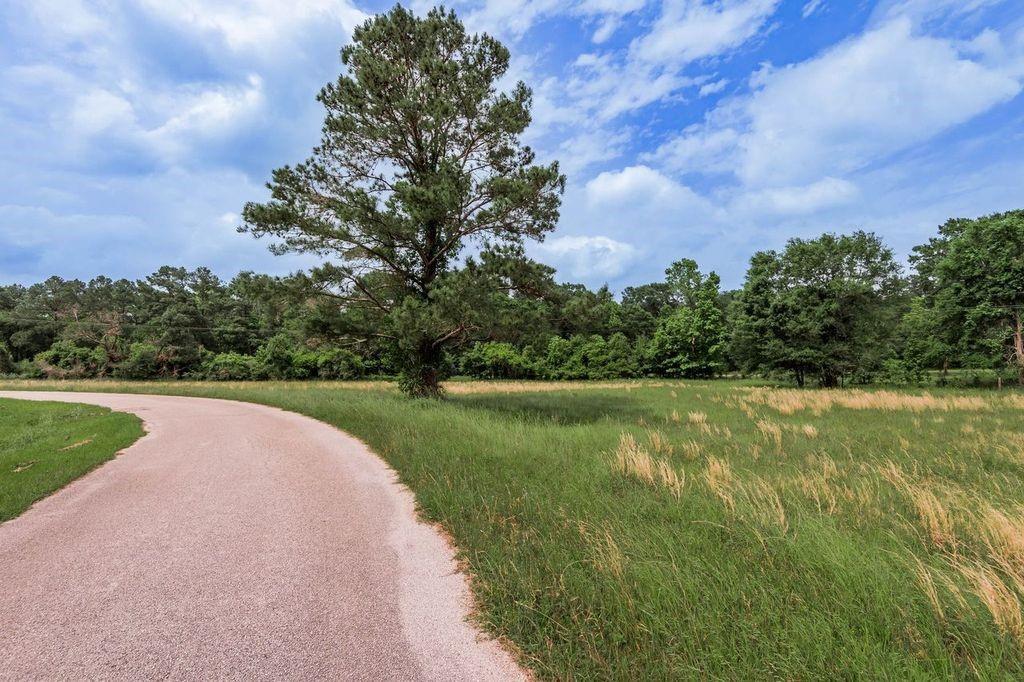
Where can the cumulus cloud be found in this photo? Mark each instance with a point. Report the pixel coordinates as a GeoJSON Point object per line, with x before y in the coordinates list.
{"type": "Point", "coordinates": [636, 185]}
{"type": "Point", "coordinates": [608, 85]}
{"type": "Point", "coordinates": [255, 25]}
{"type": "Point", "coordinates": [713, 87]}
{"type": "Point", "coordinates": [692, 29]}
{"type": "Point", "coordinates": [860, 101]}
{"type": "Point", "coordinates": [700, 149]}
{"type": "Point", "coordinates": [588, 257]}
{"type": "Point", "coordinates": [799, 200]}
{"type": "Point", "coordinates": [866, 98]}
{"type": "Point", "coordinates": [132, 127]}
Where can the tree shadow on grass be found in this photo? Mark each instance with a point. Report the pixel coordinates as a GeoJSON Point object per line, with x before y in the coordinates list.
{"type": "Point", "coordinates": [562, 407]}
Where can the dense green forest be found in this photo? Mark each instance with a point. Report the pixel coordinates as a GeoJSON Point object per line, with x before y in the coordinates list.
{"type": "Point", "coordinates": [831, 310]}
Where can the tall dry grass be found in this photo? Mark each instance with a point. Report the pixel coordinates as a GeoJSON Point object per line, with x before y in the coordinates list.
{"type": "Point", "coordinates": [771, 431]}
{"type": "Point", "coordinates": [790, 401]}
{"type": "Point", "coordinates": [720, 481]}
{"type": "Point", "coordinates": [934, 516]}
{"type": "Point", "coordinates": [634, 461]}
{"type": "Point", "coordinates": [1002, 604]}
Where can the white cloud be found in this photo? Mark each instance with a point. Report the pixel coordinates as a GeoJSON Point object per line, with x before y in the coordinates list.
{"type": "Point", "coordinates": [606, 29]}
{"type": "Point", "coordinates": [854, 104]}
{"type": "Point", "coordinates": [99, 110]}
{"type": "Point", "coordinates": [604, 85]}
{"type": "Point", "coordinates": [635, 185]}
{"type": "Point", "coordinates": [507, 19]}
{"type": "Point", "coordinates": [584, 149]}
{"type": "Point", "coordinates": [689, 30]}
{"type": "Point", "coordinates": [609, 13]}
{"type": "Point", "coordinates": [713, 87]}
{"type": "Point", "coordinates": [866, 98]}
{"type": "Point", "coordinates": [210, 111]}
{"type": "Point", "coordinates": [799, 200]}
{"type": "Point", "coordinates": [924, 11]}
{"type": "Point", "coordinates": [811, 7]}
{"type": "Point", "coordinates": [699, 149]}
{"type": "Point", "coordinates": [511, 19]}
{"type": "Point", "coordinates": [588, 257]}
{"type": "Point", "coordinates": [610, 6]}
{"type": "Point", "coordinates": [256, 24]}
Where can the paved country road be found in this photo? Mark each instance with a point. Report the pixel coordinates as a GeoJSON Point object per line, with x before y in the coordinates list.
{"type": "Point", "coordinates": [233, 541]}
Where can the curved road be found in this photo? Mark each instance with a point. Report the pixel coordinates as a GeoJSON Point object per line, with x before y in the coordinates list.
{"type": "Point", "coordinates": [233, 541]}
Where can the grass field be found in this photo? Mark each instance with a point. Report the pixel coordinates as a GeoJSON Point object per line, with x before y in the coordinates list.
{"type": "Point", "coordinates": [657, 530]}
{"type": "Point", "coordinates": [44, 446]}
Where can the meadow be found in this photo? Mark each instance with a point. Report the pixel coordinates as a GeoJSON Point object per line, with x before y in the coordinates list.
{"type": "Point", "coordinates": [667, 529]}
{"type": "Point", "coordinates": [44, 446]}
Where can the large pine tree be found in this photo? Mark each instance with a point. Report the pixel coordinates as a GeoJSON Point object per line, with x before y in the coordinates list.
{"type": "Point", "coordinates": [420, 154]}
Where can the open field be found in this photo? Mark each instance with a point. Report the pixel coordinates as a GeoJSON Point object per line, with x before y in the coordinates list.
{"type": "Point", "coordinates": [667, 529]}
{"type": "Point", "coordinates": [44, 446]}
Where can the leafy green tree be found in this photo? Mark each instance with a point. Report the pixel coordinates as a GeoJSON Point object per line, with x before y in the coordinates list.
{"type": "Point", "coordinates": [824, 307]}
{"type": "Point", "coordinates": [691, 340]}
{"type": "Point", "coordinates": [590, 357]}
{"type": "Point", "coordinates": [419, 154]}
{"type": "Point", "coordinates": [653, 298]}
{"type": "Point", "coordinates": [620, 359]}
{"type": "Point", "coordinates": [230, 367]}
{"type": "Point", "coordinates": [37, 315]}
{"type": "Point", "coordinates": [275, 358]}
{"type": "Point", "coordinates": [65, 360]}
{"type": "Point", "coordinates": [641, 307]}
{"type": "Point", "coordinates": [185, 314]}
{"type": "Point", "coordinates": [497, 360]}
{"type": "Point", "coordinates": [975, 271]}
{"type": "Point", "coordinates": [143, 362]}
{"type": "Point", "coordinates": [920, 338]}
{"type": "Point", "coordinates": [339, 363]}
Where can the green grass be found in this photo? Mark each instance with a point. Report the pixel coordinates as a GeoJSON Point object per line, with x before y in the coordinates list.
{"type": "Point", "coordinates": [805, 535]}
{"type": "Point", "coordinates": [45, 446]}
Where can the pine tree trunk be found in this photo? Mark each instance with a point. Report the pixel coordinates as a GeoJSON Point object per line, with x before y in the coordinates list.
{"type": "Point", "coordinates": [423, 378]}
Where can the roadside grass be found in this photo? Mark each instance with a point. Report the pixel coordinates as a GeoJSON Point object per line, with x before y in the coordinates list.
{"type": "Point", "coordinates": [656, 530]}
{"type": "Point", "coordinates": [45, 446]}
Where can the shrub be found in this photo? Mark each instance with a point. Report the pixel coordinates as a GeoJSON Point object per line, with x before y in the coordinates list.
{"type": "Point", "coordinates": [689, 343]}
{"type": "Point", "coordinates": [230, 367]}
{"type": "Point", "coordinates": [620, 360]}
{"type": "Point", "coordinates": [557, 357]}
{"type": "Point", "coordinates": [142, 362]}
{"type": "Point", "coordinates": [27, 369]}
{"type": "Point", "coordinates": [274, 359]}
{"type": "Point", "coordinates": [65, 360]}
{"type": "Point", "coordinates": [592, 357]}
{"type": "Point", "coordinates": [495, 360]}
{"type": "Point", "coordinates": [900, 373]}
{"type": "Point", "coordinates": [338, 363]}
{"type": "Point", "coordinates": [305, 365]}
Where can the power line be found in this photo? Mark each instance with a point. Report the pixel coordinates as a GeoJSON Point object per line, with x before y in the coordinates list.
{"type": "Point", "coordinates": [136, 325]}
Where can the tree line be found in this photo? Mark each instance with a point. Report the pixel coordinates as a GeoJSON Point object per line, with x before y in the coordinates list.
{"type": "Point", "coordinates": [829, 310]}
{"type": "Point", "coordinates": [421, 161]}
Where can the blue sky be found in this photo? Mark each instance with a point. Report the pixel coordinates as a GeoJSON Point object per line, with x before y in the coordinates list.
{"type": "Point", "coordinates": [133, 131]}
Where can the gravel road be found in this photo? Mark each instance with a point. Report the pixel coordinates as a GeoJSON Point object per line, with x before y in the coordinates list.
{"type": "Point", "coordinates": [233, 541]}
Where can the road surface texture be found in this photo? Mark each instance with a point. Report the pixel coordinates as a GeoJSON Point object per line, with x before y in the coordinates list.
{"type": "Point", "coordinates": [233, 541]}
